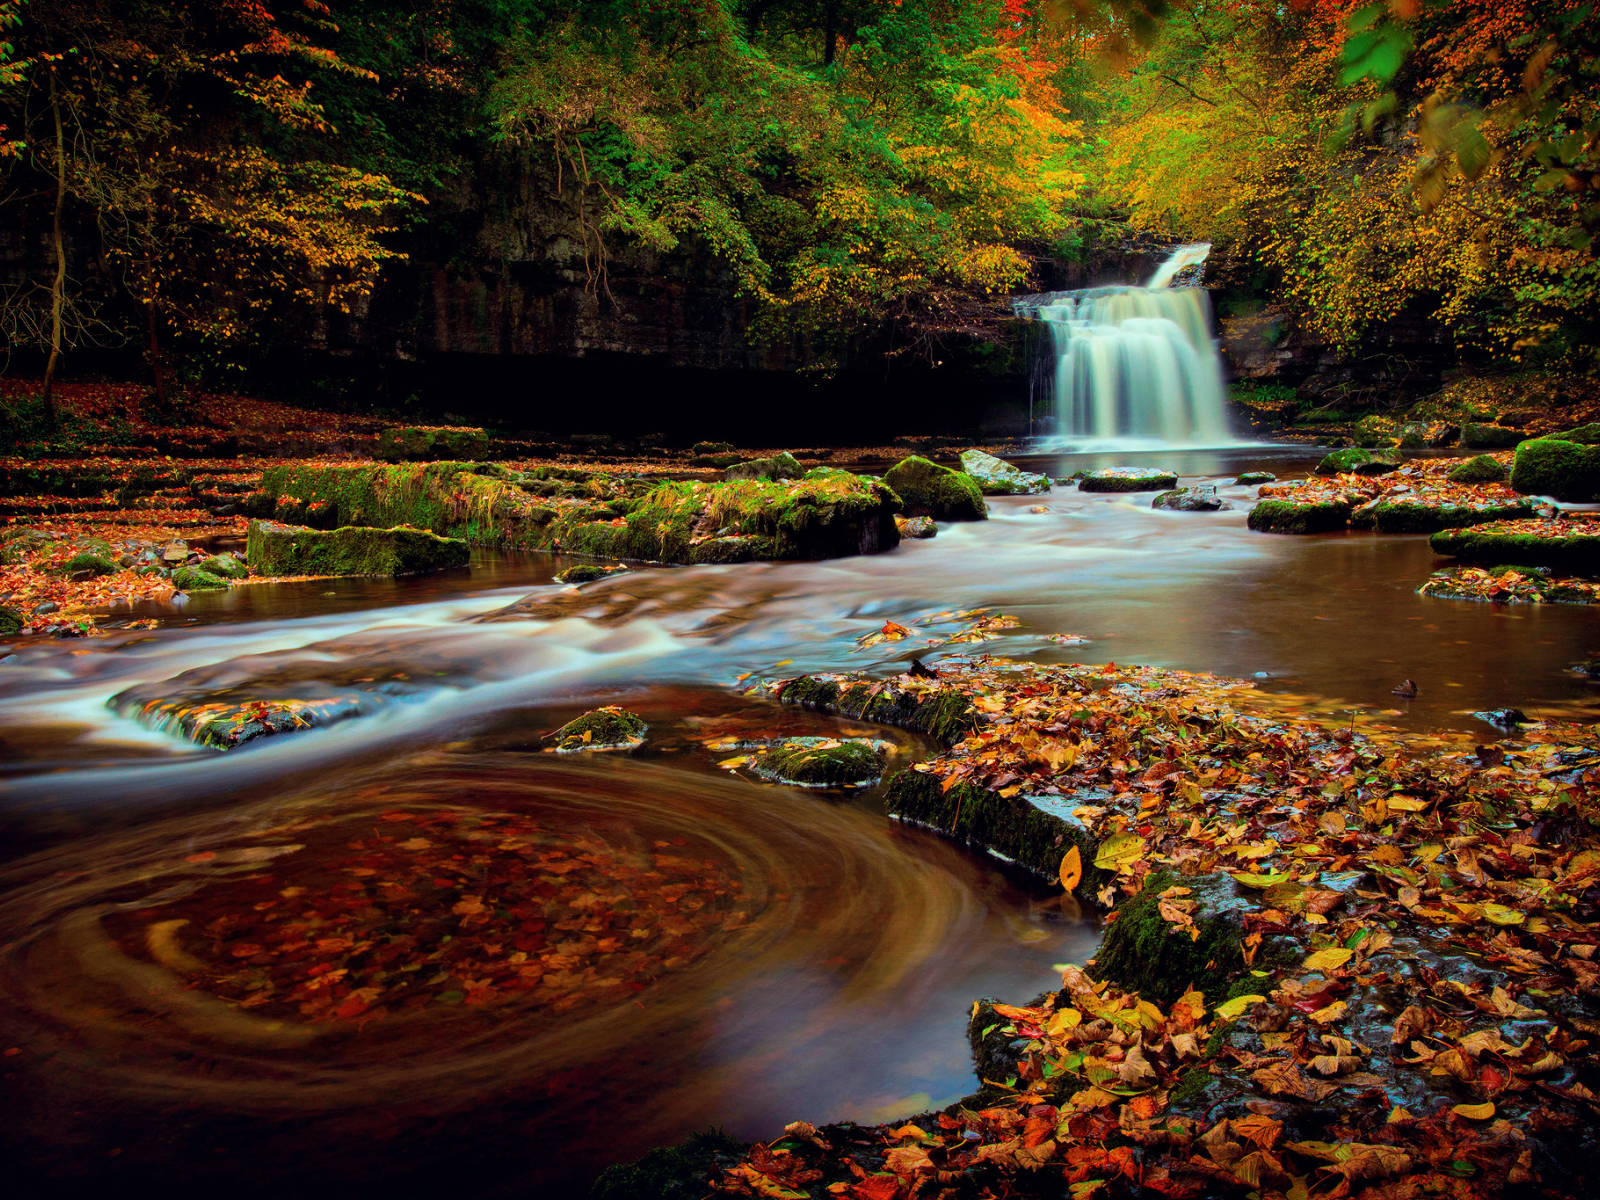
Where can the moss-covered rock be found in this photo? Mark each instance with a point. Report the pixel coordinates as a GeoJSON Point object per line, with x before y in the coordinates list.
{"type": "Point", "coordinates": [686, 1172]}
{"type": "Point", "coordinates": [10, 621]}
{"type": "Point", "coordinates": [778, 467]}
{"type": "Point", "coordinates": [1573, 548]}
{"type": "Point", "coordinates": [609, 728]}
{"type": "Point", "coordinates": [194, 579]}
{"type": "Point", "coordinates": [1356, 461]}
{"type": "Point", "coordinates": [1484, 468]}
{"type": "Point", "coordinates": [225, 566]}
{"type": "Point", "coordinates": [289, 510]}
{"type": "Point", "coordinates": [1251, 478]}
{"type": "Point", "coordinates": [1568, 471]}
{"type": "Point", "coordinates": [943, 713]}
{"type": "Point", "coordinates": [1417, 516]}
{"type": "Point", "coordinates": [996, 477]}
{"type": "Point", "coordinates": [916, 527]}
{"type": "Point", "coordinates": [712, 448]}
{"type": "Point", "coordinates": [1127, 479]}
{"type": "Point", "coordinates": [352, 550]}
{"type": "Point", "coordinates": [321, 514]}
{"type": "Point", "coordinates": [822, 762]}
{"type": "Point", "coordinates": [1191, 499]}
{"type": "Point", "coordinates": [589, 572]}
{"type": "Point", "coordinates": [1299, 516]}
{"type": "Point", "coordinates": [1588, 435]}
{"type": "Point", "coordinates": [1035, 831]}
{"type": "Point", "coordinates": [721, 461]}
{"type": "Point", "coordinates": [735, 548]}
{"type": "Point", "coordinates": [226, 722]}
{"type": "Point", "coordinates": [1489, 437]}
{"type": "Point", "coordinates": [259, 503]}
{"type": "Point", "coordinates": [1145, 953]}
{"type": "Point", "coordinates": [424, 444]}
{"type": "Point", "coordinates": [927, 489]}
{"type": "Point", "coordinates": [89, 565]}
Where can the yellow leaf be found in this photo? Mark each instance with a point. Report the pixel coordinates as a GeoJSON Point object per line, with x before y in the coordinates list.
{"type": "Point", "coordinates": [587, 734]}
{"type": "Point", "coordinates": [1327, 960]}
{"type": "Point", "coordinates": [1120, 851]}
{"type": "Point", "coordinates": [1260, 881]}
{"type": "Point", "coordinates": [1065, 1019]}
{"type": "Point", "coordinates": [1326, 1016]}
{"type": "Point", "coordinates": [1501, 915]}
{"type": "Point", "coordinates": [1474, 1112]}
{"type": "Point", "coordinates": [730, 763]}
{"type": "Point", "coordinates": [1230, 1009]}
{"type": "Point", "coordinates": [1071, 869]}
{"type": "Point", "coordinates": [1407, 803]}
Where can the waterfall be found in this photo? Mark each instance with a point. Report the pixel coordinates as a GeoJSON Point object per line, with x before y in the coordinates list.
{"type": "Point", "coordinates": [1136, 361]}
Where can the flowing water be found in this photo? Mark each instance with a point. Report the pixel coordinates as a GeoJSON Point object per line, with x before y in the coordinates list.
{"type": "Point", "coordinates": [792, 955]}
{"type": "Point", "coordinates": [1135, 362]}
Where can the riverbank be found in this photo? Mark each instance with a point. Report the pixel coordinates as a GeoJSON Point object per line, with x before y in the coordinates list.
{"type": "Point", "coordinates": [1338, 957]}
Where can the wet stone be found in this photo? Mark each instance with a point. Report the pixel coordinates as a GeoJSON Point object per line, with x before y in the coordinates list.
{"type": "Point", "coordinates": [1127, 479]}
{"type": "Point", "coordinates": [589, 572]}
{"type": "Point", "coordinates": [996, 477]}
{"type": "Point", "coordinates": [1202, 498]}
{"type": "Point", "coordinates": [823, 762]}
{"type": "Point", "coordinates": [1250, 478]}
{"type": "Point", "coordinates": [916, 527]}
{"type": "Point", "coordinates": [609, 728]}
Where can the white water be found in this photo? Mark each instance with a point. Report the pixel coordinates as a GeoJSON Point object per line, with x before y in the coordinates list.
{"type": "Point", "coordinates": [1138, 362]}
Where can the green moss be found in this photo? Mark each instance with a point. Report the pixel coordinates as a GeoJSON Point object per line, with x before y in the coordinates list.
{"type": "Point", "coordinates": [734, 549]}
{"type": "Point", "coordinates": [588, 573]}
{"type": "Point", "coordinates": [1127, 479]}
{"type": "Point", "coordinates": [10, 621]}
{"type": "Point", "coordinates": [685, 1172]}
{"type": "Point", "coordinates": [290, 510]}
{"type": "Point", "coordinates": [720, 461]}
{"type": "Point", "coordinates": [1568, 471]}
{"type": "Point", "coordinates": [1482, 469]}
{"type": "Point", "coordinates": [1250, 478]}
{"type": "Point", "coordinates": [609, 728]}
{"type": "Point", "coordinates": [996, 477]}
{"type": "Point", "coordinates": [1191, 1087]}
{"type": "Point", "coordinates": [712, 448]}
{"type": "Point", "coordinates": [803, 761]}
{"type": "Point", "coordinates": [778, 467]}
{"type": "Point", "coordinates": [946, 714]}
{"type": "Point", "coordinates": [1577, 553]}
{"type": "Point", "coordinates": [193, 579]}
{"type": "Point", "coordinates": [260, 503]}
{"type": "Point", "coordinates": [927, 489]}
{"type": "Point", "coordinates": [1296, 516]}
{"type": "Point", "coordinates": [1489, 437]}
{"type": "Point", "coordinates": [352, 550]}
{"type": "Point", "coordinates": [225, 567]}
{"type": "Point", "coordinates": [1356, 460]}
{"type": "Point", "coordinates": [1588, 435]}
{"type": "Point", "coordinates": [1402, 516]}
{"type": "Point", "coordinates": [421, 444]}
{"type": "Point", "coordinates": [1142, 952]}
{"type": "Point", "coordinates": [99, 564]}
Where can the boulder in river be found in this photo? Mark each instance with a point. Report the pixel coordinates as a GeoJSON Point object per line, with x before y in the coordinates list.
{"type": "Point", "coordinates": [225, 566]}
{"type": "Point", "coordinates": [1299, 516]}
{"type": "Point", "coordinates": [822, 762]}
{"type": "Point", "coordinates": [1128, 479]}
{"type": "Point", "coordinates": [927, 489]}
{"type": "Point", "coordinates": [1485, 468]}
{"type": "Point", "coordinates": [589, 572]}
{"type": "Point", "coordinates": [1251, 478]}
{"type": "Point", "coordinates": [779, 466]}
{"type": "Point", "coordinates": [916, 527]}
{"type": "Point", "coordinates": [226, 722]}
{"type": "Point", "coordinates": [1568, 471]}
{"type": "Point", "coordinates": [1572, 546]}
{"type": "Point", "coordinates": [1356, 461]}
{"type": "Point", "coordinates": [1490, 437]}
{"type": "Point", "coordinates": [1201, 498]}
{"type": "Point", "coordinates": [197, 579]}
{"type": "Point", "coordinates": [996, 477]}
{"type": "Point", "coordinates": [1401, 515]}
{"type": "Point", "coordinates": [275, 549]}
{"type": "Point", "coordinates": [608, 728]}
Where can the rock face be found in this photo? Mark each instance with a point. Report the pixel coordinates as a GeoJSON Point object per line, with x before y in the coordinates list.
{"type": "Point", "coordinates": [352, 550]}
{"type": "Point", "coordinates": [1291, 516]}
{"type": "Point", "coordinates": [609, 728]}
{"type": "Point", "coordinates": [1483, 469]}
{"type": "Point", "coordinates": [928, 490]}
{"type": "Point", "coordinates": [1568, 471]}
{"type": "Point", "coordinates": [996, 477]}
{"type": "Point", "coordinates": [421, 444]}
{"type": "Point", "coordinates": [1564, 546]}
{"type": "Point", "coordinates": [1203, 498]}
{"type": "Point", "coordinates": [1127, 479]}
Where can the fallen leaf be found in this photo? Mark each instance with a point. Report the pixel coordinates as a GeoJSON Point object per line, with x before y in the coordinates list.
{"type": "Point", "coordinates": [1071, 869]}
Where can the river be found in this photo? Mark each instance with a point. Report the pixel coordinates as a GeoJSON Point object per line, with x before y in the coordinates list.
{"type": "Point", "coordinates": [828, 965]}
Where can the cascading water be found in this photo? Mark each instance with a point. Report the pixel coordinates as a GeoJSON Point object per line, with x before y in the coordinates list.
{"type": "Point", "coordinates": [1136, 361]}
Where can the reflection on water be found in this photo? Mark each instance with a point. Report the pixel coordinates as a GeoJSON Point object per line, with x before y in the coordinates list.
{"type": "Point", "coordinates": [166, 1005]}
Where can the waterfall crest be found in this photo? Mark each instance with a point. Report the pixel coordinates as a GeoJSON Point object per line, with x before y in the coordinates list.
{"type": "Point", "coordinates": [1136, 361]}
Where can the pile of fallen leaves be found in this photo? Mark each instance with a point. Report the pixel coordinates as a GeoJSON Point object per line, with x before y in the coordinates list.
{"type": "Point", "coordinates": [1510, 585]}
{"type": "Point", "coordinates": [1432, 1031]}
{"type": "Point", "coordinates": [437, 908]}
{"type": "Point", "coordinates": [1420, 481]}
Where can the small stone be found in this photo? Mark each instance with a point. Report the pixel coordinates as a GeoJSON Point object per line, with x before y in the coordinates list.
{"type": "Point", "coordinates": [1253, 477]}
{"type": "Point", "coordinates": [47, 607]}
{"type": "Point", "coordinates": [609, 728]}
{"type": "Point", "coordinates": [175, 552]}
{"type": "Point", "coordinates": [1203, 498]}
{"type": "Point", "coordinates": [1128, 479]}
{"type": "Point", "coordinates": [916, 527]}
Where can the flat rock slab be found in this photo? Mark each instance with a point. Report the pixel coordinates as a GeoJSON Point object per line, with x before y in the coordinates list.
{"type": "Point", "coordinates": [1400, 515]}
{"type": "Point", "coordinates": [1297, 516]}
{"type": "Point", "coordinates": [1563, 545]}
{"type": "Point", "coordinates": [1127, 479]}
{"type": "Point", "coordinates": [996, 477]}
{"type": "Point", "coordinates": [275, 549]}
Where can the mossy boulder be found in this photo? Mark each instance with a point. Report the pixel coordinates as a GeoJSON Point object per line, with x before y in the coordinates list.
{"type": "Point", "coordinates": [1417, 516]}
{"type": "Point", "coordinates": [1490, 437]}
{"type": "Point", "coordinates": [194, 579]}
{"type": "Point", "coordinates": [1251, 478]}
{"type": "Point", "coordinates": [1588, 435]}
{"type": "Point", "coordinates": [943, 713]}
{"type": "Point", "coordinates": [225, 566]}
{"type": "Point", "coordinates": [916, 527]}
{"type": "Point", "coordinates": [289, 510]}
{"type": "Point", "coordinates": [1203, 498]}
{"type": "Point", "coordinates": [1568, 471]}
{"type": "Point", "coordinates": [259, 503]}
{"type": "Point", "coordinates": [927, 489]}
{"type": "Point", "coordinates": [822, 762]}
{"type": "Point", "coordinates": [996, 477]}
{"type": "Point", "coordinates": [1128, 479]}
{"type": "Point", "coordinates": [609, 728]}
{"type": "Point", "coordinates": [1355, 460]}
{"type": "Point", "coordinates": [88, 565]}
{"type": "Point", "coordinates": [779, 466]}
{"type": "Point", "coordinates": [1299, 516]}
{"type": "Point", "coordinates": [735, 548]}
{"type": "Point", "coordinates": [589, 572]}
{"type": "Point", "coordinates": [424, 444]}
{"type": "Point", "coordinates": [1145, 953]}
{"type": "Point", "coordinates": [1573, 548]}
{"type": "Point", "coordinates": [721, 461]}
{"type": "Point", "coordinates": [712, 448]}
{"type": "Point", "coordinates": [10, 621]}
{"type": "Point", "coordinates": [1484, 468]}
{"type": "Point", "coordinates": [275, 549]}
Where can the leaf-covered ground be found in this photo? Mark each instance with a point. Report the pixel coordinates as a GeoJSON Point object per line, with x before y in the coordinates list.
{"type": "Point", "coordinates": [1416, 1011]}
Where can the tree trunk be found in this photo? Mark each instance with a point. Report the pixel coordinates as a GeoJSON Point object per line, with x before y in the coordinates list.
{"type": "Point", "coordinates": [829, 36]}
{"type": "Point", "coordinates": [58, 289]}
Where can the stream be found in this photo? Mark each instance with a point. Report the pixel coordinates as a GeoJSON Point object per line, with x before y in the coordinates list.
{"type": "Point", "coordinates": [826, 965]}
